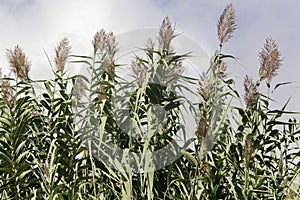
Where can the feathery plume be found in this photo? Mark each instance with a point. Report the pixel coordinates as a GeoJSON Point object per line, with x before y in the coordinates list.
{"type": "Point", "coordinates": [110, 68]}
{"type": "Point", "coordinates": [19, 63]}
{"type": "Point", "coordinates": [111, 48]}
{"type": "Point", "coordinates": [7, 93]}
{"type": "Point", "coordinates": [166, 34]}
{"type": "Point", "coordinates": [139, 72]}
{"type": "Point", "coordinates": [62, 53]}
{"type": "Point", "coordinates": [150, 48]}
{"type": "Point", "coordinates": [251, 93]}
{"type": "Point", "coordinates": [202, 128]}
{"type": "Point", "coordinates": [207, 169]}
{"type": "Point", "coordinates": [106, 43]}
{"type": "Point", "coordinates": [270, 60]}
{"type": "Point", "coordinates": [248, 150]}
{"type": "Point", "coordinates": [226, 24]}
{"type": "Point", "coordinates": [99, 41]}
{"type": "Point", "coordinates": [101, 92]}
{"type": "Point", "coordinates": [205, 88]}
{"type": "Point", "coordinates": [79, 88]}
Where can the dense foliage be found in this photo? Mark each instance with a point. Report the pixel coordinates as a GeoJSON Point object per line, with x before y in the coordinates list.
{"type": "Point", "coordinates": [243, 149]}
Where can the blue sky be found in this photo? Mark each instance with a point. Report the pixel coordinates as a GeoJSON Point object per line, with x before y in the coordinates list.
{"type": "Point", "coordinates": [38, 25]}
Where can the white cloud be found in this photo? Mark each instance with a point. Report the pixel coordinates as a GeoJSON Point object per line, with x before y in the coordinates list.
{"type": "Point", "coordinates": [41, 24]}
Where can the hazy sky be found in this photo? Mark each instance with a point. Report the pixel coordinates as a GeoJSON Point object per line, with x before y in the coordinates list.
{"type": "Point", "coordinates": [38, 25]}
